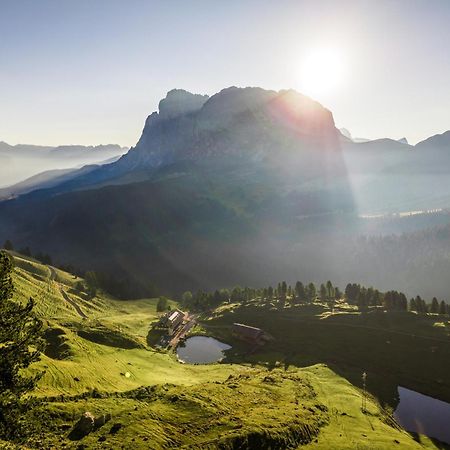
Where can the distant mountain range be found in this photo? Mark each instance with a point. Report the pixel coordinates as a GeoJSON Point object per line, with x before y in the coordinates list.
{"type": "Point", "coordinates": [349, 136]}
{"type": "Point", "coordinates": [238, 187]}
{"type": "Point", "coordinates": [18, 162]}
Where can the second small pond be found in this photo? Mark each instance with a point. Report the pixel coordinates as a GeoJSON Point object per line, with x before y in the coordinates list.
{"type": "Point", "coordinates": [422, 414]}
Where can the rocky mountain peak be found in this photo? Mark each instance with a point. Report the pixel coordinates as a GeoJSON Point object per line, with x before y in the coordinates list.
{"type": "Point", "coordinates": [235, 121]}
{"type": "Point", "coordinates": [178, 102]}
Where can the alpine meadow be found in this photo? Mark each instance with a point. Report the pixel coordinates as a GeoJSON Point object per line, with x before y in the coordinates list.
{"type": "Point", "coordinates": [224, 225]}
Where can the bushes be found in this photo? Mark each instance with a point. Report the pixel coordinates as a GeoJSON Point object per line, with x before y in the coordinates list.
{"type": "Point", "coordinates": [162, 305]}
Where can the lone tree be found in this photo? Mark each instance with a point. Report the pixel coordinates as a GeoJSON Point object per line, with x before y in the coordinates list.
{"type": "Point", "coordinates": [8, 245]}
{"type": "Point", "coordinates": [92, 283]}
{"type": "Point", "coordinates": [434, 306]}
{"type": "Point", "coordinates": [186, 298]}
{"type": "Point", "coordinates": [162, 305]}
{"type": "Point", "coordinates": [25, 251]}
{"type": "Point", "coordinates": [20, 342]}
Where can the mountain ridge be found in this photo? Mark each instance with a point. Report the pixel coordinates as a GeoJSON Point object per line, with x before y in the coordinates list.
{"type": "Point", "coordinates": [441, 140]}
{"type": "Point", "coordinates": [22, 161]}
{"type": "Point", "coordinates": [202, 124]}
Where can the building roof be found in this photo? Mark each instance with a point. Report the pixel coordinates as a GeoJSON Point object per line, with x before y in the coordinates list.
{"type": "Point", "coordinates": [174, 316]}
{"type": "Point", "coordinates": [247, 330]}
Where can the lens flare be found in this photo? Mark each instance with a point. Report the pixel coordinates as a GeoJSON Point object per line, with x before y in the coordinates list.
{"type": "Point", "coordinates": [321, 71]}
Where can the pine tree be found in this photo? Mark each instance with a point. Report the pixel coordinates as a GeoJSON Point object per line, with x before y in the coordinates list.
{"type": "Point", "coordinates": [92, 283]}
{"type": "Point", "coordinates": [442, 308]}
{"type": "Point", "coordinates": [237, 294]}
{"type": "Point", "coordinates": [352, 292]}
{"type": "Point", "coordinates": [282, 289]}
{"type": "Point", "coordinates": [377, 298]}
{"type": "Point", "coordinates": [330, 290]}
{"type": "Point", "coordinates": [20, 342]}
{"type": "Point", "coordinates": [186, 298]}
{"type": "Point", "coordinates": [300, 291]}
{"type": "Point", "coordinates": [217, 298]}
{"type": "Point", "coordinates": [402, 302]}
{"type": "Point", "coordinates": [294, 299]}
{"type": "Point", "coordinates": [434, 306]}
{"type": "Point", "coordinates": [330, 295]}
{"type": "Point", "coordinates": [8, 245]}
{"type": "Point", "coordinates": [225, 295]}
{"type": "Point", "coordinates": [361, 301]}
{"type": "Point", "coordinates": [162, 305]}
{"type": "Point", "coordinates": [27, 252]}
{"type": "Point", "coordinates": [419, 304]}
{"type": "Point", "coordinates": [312, 292]}
{"type": "Point", "coordinates": [323, 292]}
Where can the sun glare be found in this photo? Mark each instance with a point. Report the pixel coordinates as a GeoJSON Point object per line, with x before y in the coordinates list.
{"type": "Point", "coordinates": [321, 71]}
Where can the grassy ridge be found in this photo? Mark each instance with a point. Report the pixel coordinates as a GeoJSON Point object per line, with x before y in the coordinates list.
{"type": "Point", "coordinates": [161, 403]}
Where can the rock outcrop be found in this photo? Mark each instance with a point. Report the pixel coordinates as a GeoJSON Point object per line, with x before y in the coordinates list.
{"type": "Point", "coordinates": [83, 427]}
{"type": "Point", "coordinates": [88, 423]}
{"type": "Point", "coordinates": [179, 102]}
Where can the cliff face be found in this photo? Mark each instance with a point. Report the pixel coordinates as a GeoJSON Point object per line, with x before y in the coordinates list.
{"type": "Point", "coordinates": [234, 122]}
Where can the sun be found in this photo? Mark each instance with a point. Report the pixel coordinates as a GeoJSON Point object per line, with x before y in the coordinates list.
{"type": "Point", "coordinates": [321, 71]}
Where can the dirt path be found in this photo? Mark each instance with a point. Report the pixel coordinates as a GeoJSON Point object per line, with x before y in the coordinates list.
{"type": "Point", "coordinates": [65, 295]}
{"type": "Point", "coordinates": [74, 304]}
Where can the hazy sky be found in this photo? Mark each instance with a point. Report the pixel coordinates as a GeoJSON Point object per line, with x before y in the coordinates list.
{"type": "Point", "coordinates": [90, 71]}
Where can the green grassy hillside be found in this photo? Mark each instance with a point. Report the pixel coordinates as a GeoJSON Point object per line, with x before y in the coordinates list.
{"type": "Point", "coordinates": [98, 360]}
{"type": "Point", "coordinates": [394, 348]}
{"type": "Point", "coordinates": [95, 352]}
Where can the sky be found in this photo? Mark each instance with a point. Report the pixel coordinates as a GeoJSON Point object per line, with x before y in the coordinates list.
{"type": "Point", "coordinates": [91, 71]}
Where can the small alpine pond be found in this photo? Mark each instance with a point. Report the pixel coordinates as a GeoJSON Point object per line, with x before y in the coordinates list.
{"type": "Point", "coordinates": [201, 350]}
